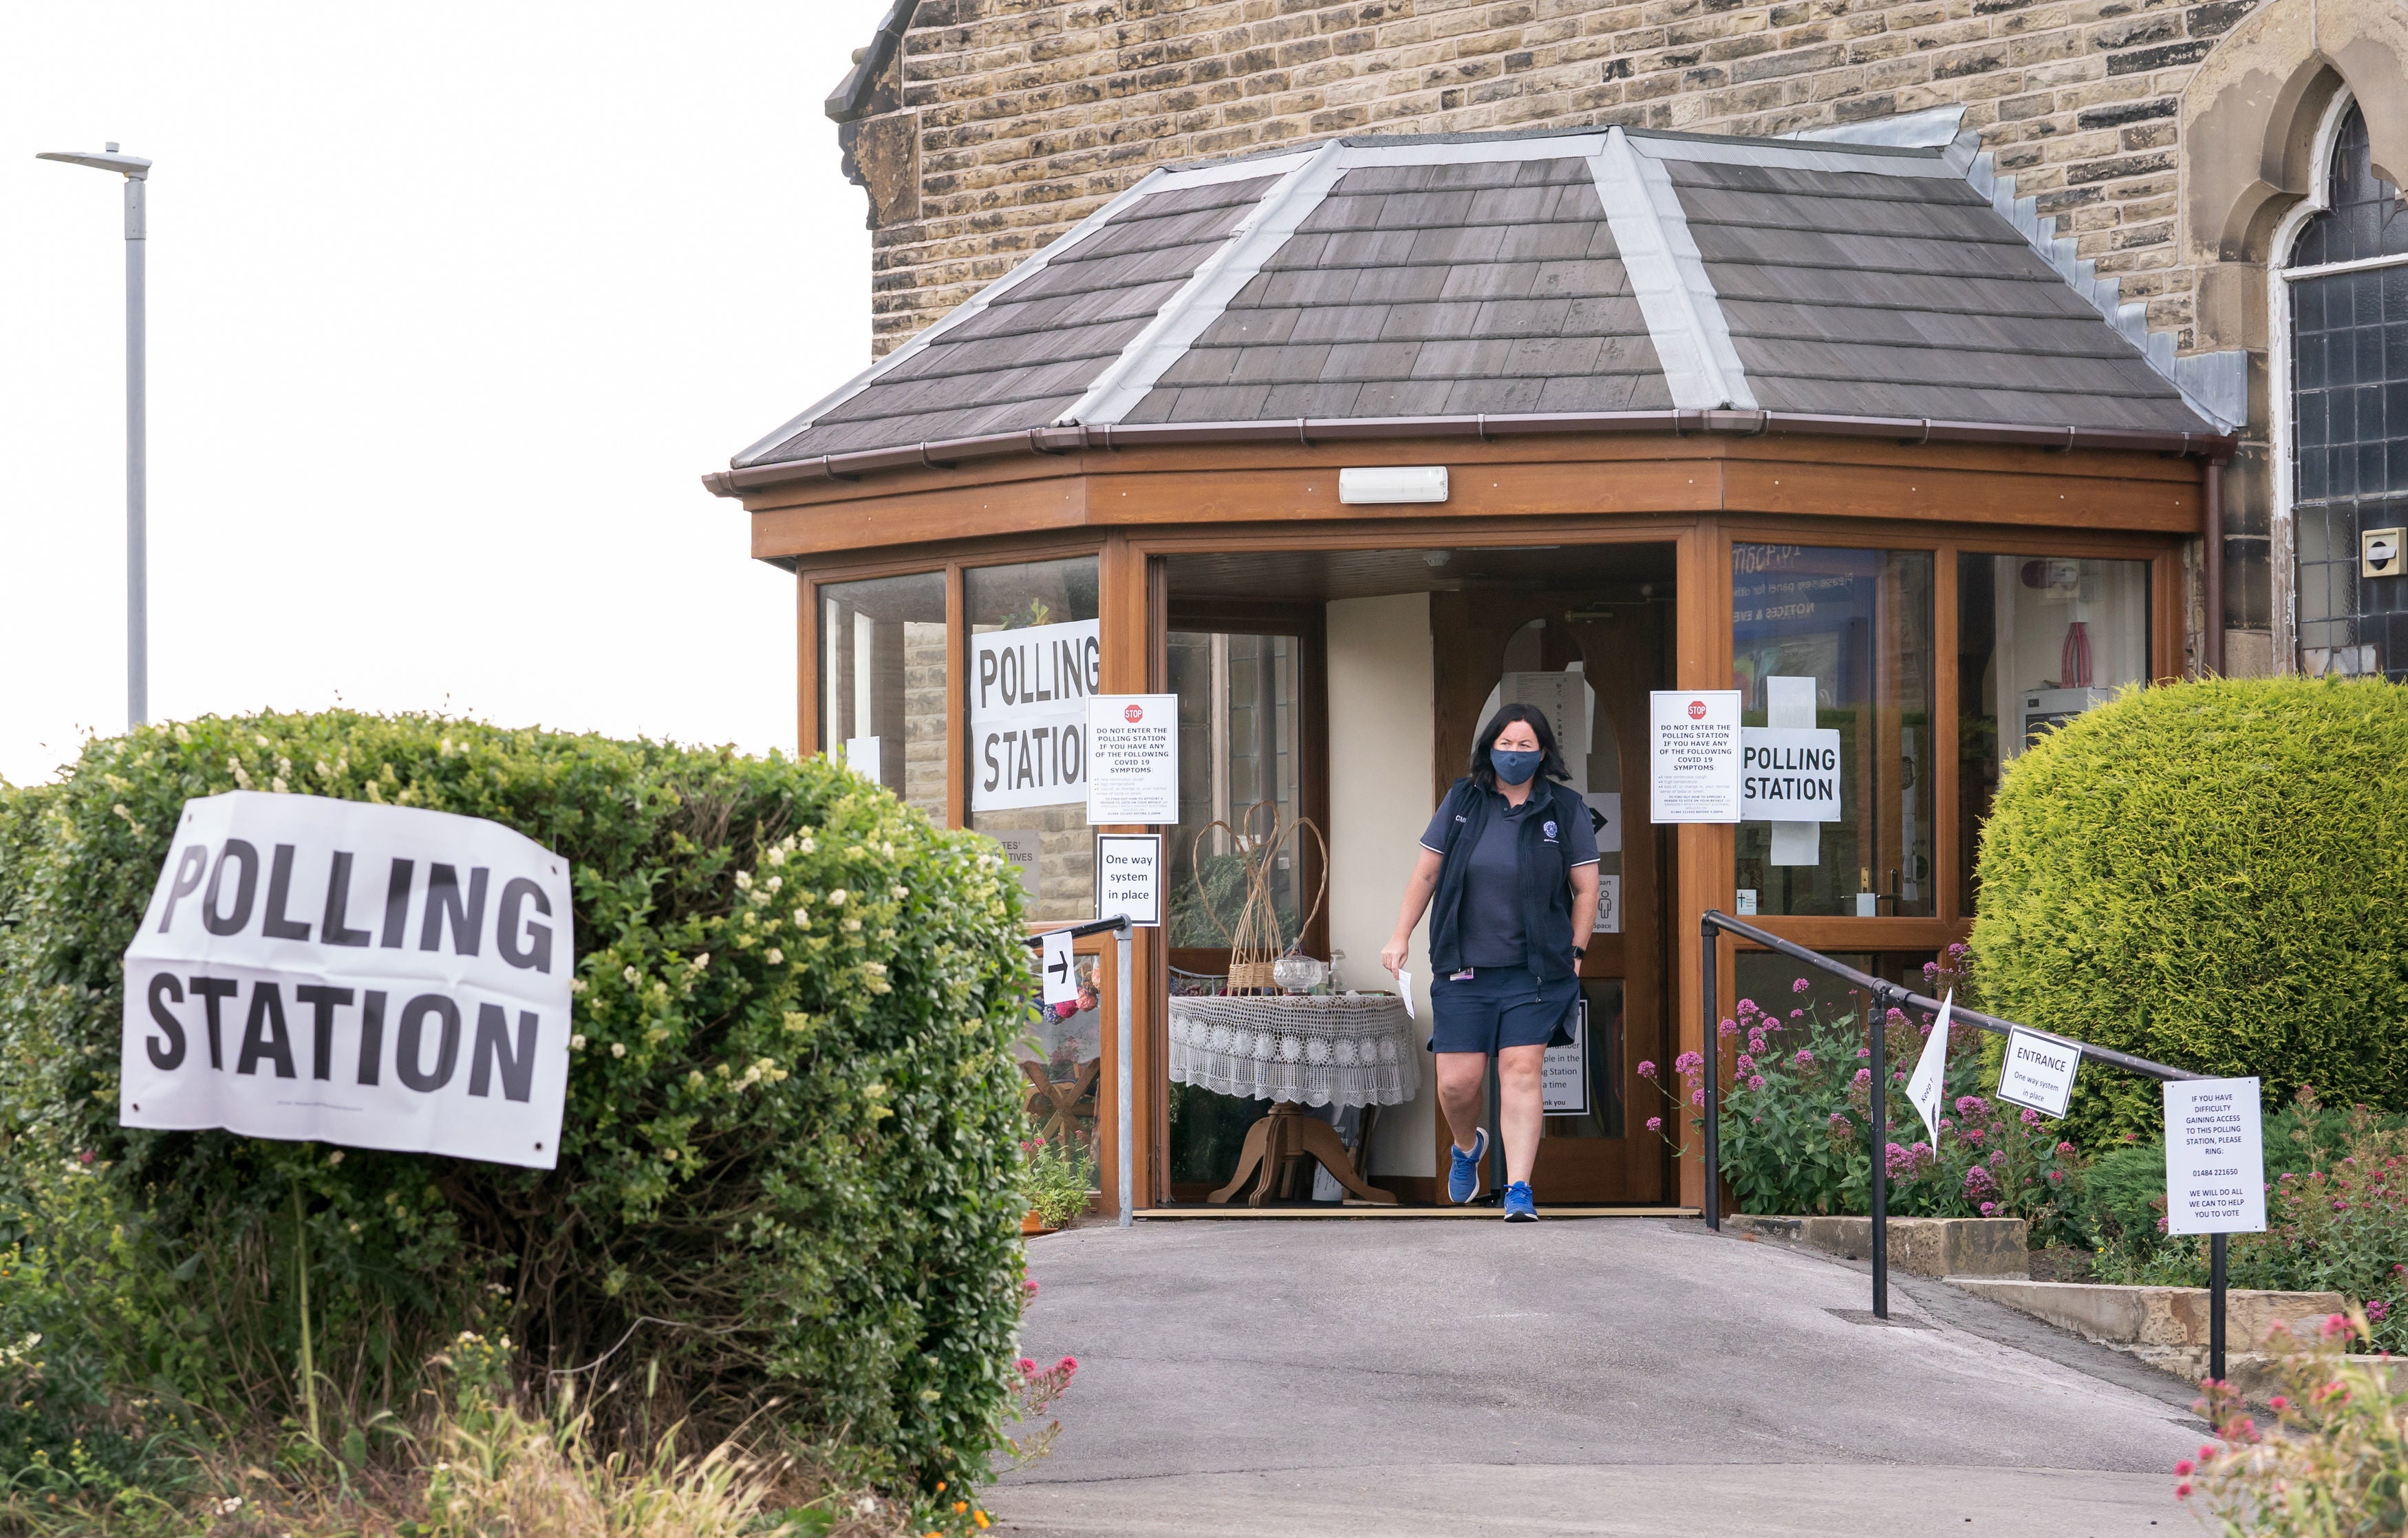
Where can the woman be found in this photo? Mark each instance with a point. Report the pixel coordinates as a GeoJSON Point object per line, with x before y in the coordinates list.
{"type": "Point", "coordinates": [1510, 856]}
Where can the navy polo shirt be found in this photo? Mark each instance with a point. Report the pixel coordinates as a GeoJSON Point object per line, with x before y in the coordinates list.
{"type": "Point", "coordinates": [1492, 907]}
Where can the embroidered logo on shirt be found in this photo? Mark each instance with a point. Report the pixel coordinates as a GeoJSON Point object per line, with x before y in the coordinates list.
{"type": "Point", "coordinates": [1549, 830]}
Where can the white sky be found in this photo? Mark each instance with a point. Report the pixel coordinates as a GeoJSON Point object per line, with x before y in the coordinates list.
{"type": "Point", "coordinates": [450, 305]}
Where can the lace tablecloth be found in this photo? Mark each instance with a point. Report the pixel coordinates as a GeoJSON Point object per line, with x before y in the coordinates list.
{"type": "Point", "coordinates": [1313, 1049]}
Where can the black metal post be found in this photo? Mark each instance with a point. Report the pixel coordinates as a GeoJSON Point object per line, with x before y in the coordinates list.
{"type": "Point", "coordinates": [1878, 1135]}
{"type": "Point", "coordinates": [1710, 987]}
{"type": "Point", "coordinates": [2215, 1306]}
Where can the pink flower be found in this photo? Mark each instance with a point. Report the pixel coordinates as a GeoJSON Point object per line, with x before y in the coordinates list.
{"type": "Point", "coordinates": [1896, 1016]}
{"type": "Point", "coordinates": [1031, 1286]}
{"type": "Point", "coordinates": [1970, 1105]}
{"type": "Point", "coordinates": [1798, 1014]}
{"type": "Point", "coordinates": [2375, 1310]}
{"type": "Point", "coordinates": [1655, 1124]}
{"type": "Point", "coordinates": [1026, 1366]}
{"type": "Point", "coordinates": [1978, 1184]}
{"type": "Point", "coordinates": [1840, 1123]}
{"type": "Point", "coordinates": [1864, 1052]}
{"type": "Point", "coordinates": [2278, 1403]}
{"type": "Point", "coordinates": [1745, 1064]}
{"type": "Point", "coordinates": [2063, 1149]}
{"type": "Point", "coordinates": [1698, 1096]}
{"type": "Point", "coordinates": [1647, 1069]}
{"type": "Point", "coordinates": [1688, 1062]}
{"type": "Point", "coordinates": [1799, 986]}
{"type": "Point", "coordinates": [2057, 1177]}
{"type": "Point", "coordinates": [1756, 1081]}
{"type": "Point", "coordinates": [2032, 1118]}
{"type": "Point", "coordinates": [1730, 1028]}
{"type": "Point", "coordinates": [1066, 1009]}
{"type": "Point", "coordinates": [1804, 1058]}
{"type": "Point", "coordinates": [1989, 1209]}
{"type": "Point", "coordinates": [1067, 1366]}
{"type": "Point", "coordinates": [1864, 1075]}
{"type": "Point", "coordinates": [1755, 1040]}
{"type": "Point", "coordinates": [2182, 1491]}
{"type": "Point", "coordinates": [2183, 1466]}
{"type": "Point", "coordinates": [1747, 1007]}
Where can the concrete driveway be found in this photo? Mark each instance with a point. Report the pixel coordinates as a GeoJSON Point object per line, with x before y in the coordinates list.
{"type": "Point", "coordinates": [1392, 1377]}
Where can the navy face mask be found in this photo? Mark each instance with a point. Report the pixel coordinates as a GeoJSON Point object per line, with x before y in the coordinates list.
{"type": "Point", "coordinates": [1515, 765]}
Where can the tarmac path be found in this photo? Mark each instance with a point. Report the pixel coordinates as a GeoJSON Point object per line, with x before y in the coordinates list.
{"type": "Point", "coordinates": [1295, 1379]}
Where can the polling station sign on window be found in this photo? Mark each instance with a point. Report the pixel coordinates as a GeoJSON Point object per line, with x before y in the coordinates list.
{"type": "Point", "coordinates": [1029, 690]}
{"type": "Point", "coordinates": [384, 977]}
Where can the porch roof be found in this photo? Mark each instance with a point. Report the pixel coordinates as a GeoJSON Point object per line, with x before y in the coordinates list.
{"type": "Point", "coordinates": [1529, 279]}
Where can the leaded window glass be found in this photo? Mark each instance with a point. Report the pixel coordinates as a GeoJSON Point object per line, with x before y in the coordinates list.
{"type": "Point", "coordinates": [2349, 395]}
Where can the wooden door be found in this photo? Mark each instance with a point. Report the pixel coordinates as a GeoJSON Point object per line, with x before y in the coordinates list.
{"type": "Point", "coordinates": [1607, 1155]}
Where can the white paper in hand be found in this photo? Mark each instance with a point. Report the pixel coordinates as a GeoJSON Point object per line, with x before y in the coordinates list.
{"type": "Point", "coordinates": [1405, 990]}
{"type": "Point", "coordinates": [1929, 1084]}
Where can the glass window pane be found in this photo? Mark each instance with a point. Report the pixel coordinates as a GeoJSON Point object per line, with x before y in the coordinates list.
{"type": "Point", "coordinates": [1035, 655]}
{"type": "Point", "coordinates": [2039, 639]}
{"type": "Point", "coordinates": [883, 683]}
{"type": "Point", "coordinates": [1237, 727]}
{"type": "Point", "coordinates": [1858, 623]}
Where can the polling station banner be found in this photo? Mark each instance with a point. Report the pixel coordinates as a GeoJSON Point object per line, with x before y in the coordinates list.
{"type": "Point", "coordinates": [341, 971]}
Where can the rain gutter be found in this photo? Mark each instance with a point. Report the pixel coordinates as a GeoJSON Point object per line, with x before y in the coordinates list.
{"type": "Point", "coordinates": [1682, 423]}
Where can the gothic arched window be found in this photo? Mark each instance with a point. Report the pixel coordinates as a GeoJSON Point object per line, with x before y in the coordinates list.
{"type": "Point", "coordinates": [2347, 276]}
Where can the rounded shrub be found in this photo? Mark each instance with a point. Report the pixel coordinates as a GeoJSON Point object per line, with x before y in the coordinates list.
{"type": "Point", "coordinates": [2214, 875]}
{"type": "Point", "coordinates": [790, 1160]}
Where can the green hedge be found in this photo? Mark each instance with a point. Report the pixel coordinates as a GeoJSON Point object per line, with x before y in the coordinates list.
{"type": "Point", "coordinates": [792, 1120]}
{"type": "Point", "coordinates": [2214, 875]}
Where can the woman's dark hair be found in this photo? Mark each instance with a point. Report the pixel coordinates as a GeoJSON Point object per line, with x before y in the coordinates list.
{"type": "Point", "coordinates": [1550, 759]}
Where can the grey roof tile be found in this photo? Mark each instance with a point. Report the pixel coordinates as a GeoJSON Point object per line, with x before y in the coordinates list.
{"type": "Point", "coordinates": [1462, 285]}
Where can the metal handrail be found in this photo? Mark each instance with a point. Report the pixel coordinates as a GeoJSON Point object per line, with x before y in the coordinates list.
{"type": "Point", "coordinates": [1887, 996]}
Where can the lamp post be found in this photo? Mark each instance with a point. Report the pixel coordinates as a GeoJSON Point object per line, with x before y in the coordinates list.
{"type": "Point", "coordinates": [135, 171]}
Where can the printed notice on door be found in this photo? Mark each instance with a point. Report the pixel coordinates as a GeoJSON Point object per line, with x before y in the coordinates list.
{"type": "Point", "coordinates": [2216, 1158]}
{"type": "Point", "coordinates": [1694, 757]}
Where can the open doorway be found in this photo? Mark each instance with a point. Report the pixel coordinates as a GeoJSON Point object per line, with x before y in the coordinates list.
{"type": "Point", "coordinates": [1344, 687]}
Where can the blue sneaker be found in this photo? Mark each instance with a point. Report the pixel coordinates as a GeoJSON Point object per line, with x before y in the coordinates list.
{"type": "Point", "coordinates": [1463, 1176]}
{"type": "Point", "coordinates": [1519, 1208]}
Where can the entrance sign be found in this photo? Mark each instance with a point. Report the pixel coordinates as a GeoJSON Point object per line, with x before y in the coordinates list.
{"type": "Point", "coordinates": [1128, 878]}
{"type": "Point", "coordinates": [2037, 1071]}
{"type": "Point", "coordinates": [1058, 973]}
{"type": "Point", "coordinates": [1029, 692]}
{"type": "Point", "coordinates": [2216, 1158]}
{"type": "Point", "coordinates": [1133, 758]}
{"type": "Point", "coordinates": [1927, 1089]}
{"type": "Point", "coordinates": [1563, 1072]}
{"type": "Point", "coordinates": [324, 971]}
{"type": "Point", "coordinates": [1695, 757]}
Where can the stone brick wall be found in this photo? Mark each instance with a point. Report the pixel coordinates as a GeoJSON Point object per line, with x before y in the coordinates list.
{"type": "Point", "coordinates": [999, 123]}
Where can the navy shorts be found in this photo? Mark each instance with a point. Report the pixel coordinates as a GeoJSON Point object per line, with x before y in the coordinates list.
{"type": "Point", "coordinates": [1499, 1007]}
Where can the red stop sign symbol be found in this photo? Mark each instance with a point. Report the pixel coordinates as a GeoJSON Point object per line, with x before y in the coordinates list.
{"type": "Point", "coordinates": [1696, 710]}
{"type": "Point", "coordinates": [1135, 714]}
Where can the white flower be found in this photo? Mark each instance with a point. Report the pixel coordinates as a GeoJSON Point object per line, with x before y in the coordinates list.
{"type": "Point", "coordinates": [802, 919]}
{"type": "Point", "coordinates": [334, 1158]}
{"type": "Point", "coordinates": [575, 984]}
{"type": "Point", "coordinates": [323, 772]}
{"type": "Point", "coordinates": [835, 899]}
{"type": "Point", "coordinates": [577, 1042]}
{"type": "Point", "coordinates": [805, 846]}
{"type": "Point", "coordinates": [701, 961]}
{"type": "Point", "coordinates": [744, 881]}
{"type": "Point", "coordinates": [279, 787]}
{"type": "Point", "coordinates": [902, 892]}
{"type": "Point", "coordinates": [853, 925]}
{"type": "Point", "coordinates": [778, 854]}
{"type": "Point", "coordinates": [775, 882]}
{"type": "Point", "coordinates": [632, 975]}
{"type": "Point", "coordinates": [775, 956]}
{"type": "Point", "coordinates": [618, 1049]}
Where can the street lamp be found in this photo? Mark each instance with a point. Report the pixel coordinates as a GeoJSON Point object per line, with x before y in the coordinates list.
{"type": "Point", "coordinates": [138, 585]}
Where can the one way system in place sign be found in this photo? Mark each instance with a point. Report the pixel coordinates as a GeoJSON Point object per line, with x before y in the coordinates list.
{"type": "Point", "coordinates": [385, 977]}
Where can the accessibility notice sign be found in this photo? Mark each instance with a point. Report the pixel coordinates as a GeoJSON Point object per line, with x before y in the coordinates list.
{"type": "Point", "coordinates": [2216, 1158]}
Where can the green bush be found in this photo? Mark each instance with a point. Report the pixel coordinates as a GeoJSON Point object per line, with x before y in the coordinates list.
{"type": "Point", "coordinates": [2214, 875]}
{"type": "Point", "coordinates": [790, 1165]}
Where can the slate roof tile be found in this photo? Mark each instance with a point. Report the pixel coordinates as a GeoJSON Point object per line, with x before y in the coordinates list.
{"type": "Point", "coordinates": [1457, 285]}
